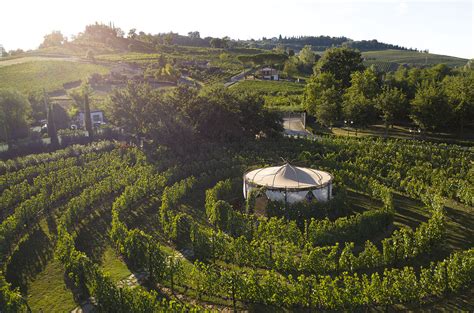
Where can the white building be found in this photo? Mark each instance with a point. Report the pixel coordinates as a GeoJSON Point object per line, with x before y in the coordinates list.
{"type": "Point", "coordinates": [97, 118]}
{"type": "Point", "coordinates": [269, 73]}
{"type": "Point", "coordinates": [289, 184]}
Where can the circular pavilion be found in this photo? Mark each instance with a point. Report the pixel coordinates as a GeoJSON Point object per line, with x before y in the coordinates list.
{"type": "Point", "coordinates": [289, 184]}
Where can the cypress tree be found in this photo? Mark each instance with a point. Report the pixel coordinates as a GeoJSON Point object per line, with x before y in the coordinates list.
{"type": "Point", "coordinates": [87, 113]}
{"type": "Point", "coordinates": [52, 133]}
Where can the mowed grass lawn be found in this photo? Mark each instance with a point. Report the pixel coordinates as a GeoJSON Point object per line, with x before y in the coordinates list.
{"type": "Point", "coordinates": [48, 292]}
{"type": "Point", "coordinates": [269, 87]}
{"type": "Point", "coordinates": [50, 75]}
{"type": "Point", "coordinates": [113, 265]}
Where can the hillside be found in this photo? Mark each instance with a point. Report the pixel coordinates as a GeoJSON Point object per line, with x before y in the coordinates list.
{"type": "Point", "coordinates": [389, 60]}
{"type": "Point", "coordinates": [30, 73]}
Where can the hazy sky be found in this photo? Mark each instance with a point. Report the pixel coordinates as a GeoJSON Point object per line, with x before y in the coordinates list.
{"type": "Point", "coordinates": [444, 27]}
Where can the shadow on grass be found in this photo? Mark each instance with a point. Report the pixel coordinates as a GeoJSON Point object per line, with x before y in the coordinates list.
{"type": "Point", "coordinates": [93, 234]}
{"type": "Point", "coordinates": [409, 212]}
{"type": "Point", "coordinates": [460, 234]}
{"type": "Point", "coordinates": [29, 259]}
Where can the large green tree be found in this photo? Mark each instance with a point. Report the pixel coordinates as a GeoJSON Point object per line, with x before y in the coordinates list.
{"type": "Point", "coordinates": [359, 99]}
{"type": "Point", "coordinates": [341, 62]}
{"type": "Point", "coordinates": [391, 103]}
{"type": "Point", "coordinates": [15, 112]}
{"type": "Point", "coordinates": [53, 39]}
{"type": "Point", "coordinates": [219, 114]}
{"type": "Point", "coordinates": [39, 110]}
{"type": "Point", "coordinates": [52, 133]}
{"type": "Point", "coordinates": [430, 108]}
{"type": "Point", "coordinates": [291, 66]}
{"type": "Point", "coordinates": [323, 98]}
{"type": "Point", "coordinates": [183, 118]}
{"type": "Point", "coordinates": [86, 92]}
{"type": "Point", "coordinates": [130, 108]}
{"type": "Point", "coordinates": [308, 58]}
{"type": "Point", "coordinates": [460, 94]}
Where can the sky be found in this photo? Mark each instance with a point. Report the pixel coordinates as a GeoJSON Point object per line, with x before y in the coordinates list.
{"type": "Point", "coordinates": [443, 27]}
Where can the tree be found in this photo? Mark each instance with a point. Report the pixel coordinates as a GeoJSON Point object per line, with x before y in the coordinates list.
{"type": "Point", "coordinates": [291, 66]}
{"type": "Point", "coordinates": [3, 52]}
{"type": "Point", "coordinates": [220, 115]}
{"type": "Point", "coordinates": [102, 32]}
{"type": "Point", "coordinates": [60, 116]}
{"type": "Point", "coordinates": [391, 103]}
{"type": "Point", "coordinates": [194, 35]}
{"type": "Point", "coordinates": [130, 108]}
{"type": "Point", "coordinates": [217, 43]}
{"type": "Point", "coordinates": [341, 62]}
{"type": "Point", "coordinates": [15, 112]}
{"type": "Point", "coordinates": [469, 65]}
{"type": "Point", "coordinates": [52, 40]}
{"type": "Point", "coordinates": [429, 108]}
{"type": "Point", "coordinates": [90, 55]}
{"type": "Point", "coordinates": [323, 98]}
{"type": "Point", "coordinates": [53, 135]}
{"type": "Point", "coordinates": [280, 48]}
{"type": "Point", "coordinates": [359, 99]}
{"type": "Point", "coordinates": [86, 91]}
{"type": "Point", "coordinates": [132, 33]}
{"type": "Point", "coordinates": [307, 58]}
{"type": "Point", "coordinates": [460, 93]}
{"type": "Point", "coordinates": [169, 39]}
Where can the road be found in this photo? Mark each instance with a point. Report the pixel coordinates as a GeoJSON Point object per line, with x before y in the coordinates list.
{"type": "Point", "coordinates": [239, 77]}
{"type": "Point", "coordinates": [294, 127]}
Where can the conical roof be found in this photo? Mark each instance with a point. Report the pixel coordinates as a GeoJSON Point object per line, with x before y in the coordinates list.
{"type": "Point", "coordinates": [288, 176]}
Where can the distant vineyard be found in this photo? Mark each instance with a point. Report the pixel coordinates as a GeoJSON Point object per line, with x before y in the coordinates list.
{"type": "Point", "coordinates": [390, 59]}
{"type": "Point", "coordinates": [382, 66]}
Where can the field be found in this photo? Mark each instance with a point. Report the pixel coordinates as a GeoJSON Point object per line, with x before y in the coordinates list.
{"type": "Point", "coordinates": [391, 59]}
{"type": "Point", "coordinates": [269, 87]}
{"type": "Point", "coordinates": [50, 75]}
{"type": "Point", "coordinates": [278, 95]}
{"type": "Point", "coordinates": [114, 212]}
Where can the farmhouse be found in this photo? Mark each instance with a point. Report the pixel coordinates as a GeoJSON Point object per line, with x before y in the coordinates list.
{"type": "Point", "coordinates": [97, 118]}
{"type": "Point", "coordinates": [269, 73]}
{"type": "Point", "coordinates": [289, 184]}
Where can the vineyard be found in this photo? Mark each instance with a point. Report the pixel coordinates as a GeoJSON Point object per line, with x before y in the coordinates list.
{"type": "Point", "coordinates": [412, 58]}
{"type": "Point", "coordinates": [397, 234]}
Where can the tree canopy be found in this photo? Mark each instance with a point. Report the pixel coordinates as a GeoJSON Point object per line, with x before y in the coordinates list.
{"type": "Point", "coordinates": [359, 99]}
{"type": "Point", "coordinates": [430, 109]}
{"type": "Point", "coordinates": [323, 98]}
{"type": "Point", "coordinates": [341, 62]}
{"type": "Point", "coordinates": [184, 117]}
{"type": "Point", "coordinates": [56, 38]}
{"type": "Point", "coordinates": [15, 112]}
